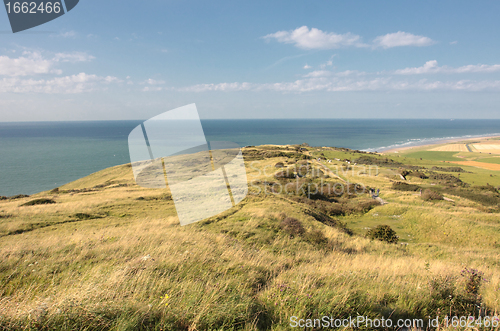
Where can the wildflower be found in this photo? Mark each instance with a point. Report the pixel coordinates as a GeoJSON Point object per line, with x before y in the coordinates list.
{"type": "Point", "coordinates": [166, 298]}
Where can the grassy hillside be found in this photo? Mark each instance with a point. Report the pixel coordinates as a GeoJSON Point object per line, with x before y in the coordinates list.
{"type": "Point", "coordinates": [102, 253]}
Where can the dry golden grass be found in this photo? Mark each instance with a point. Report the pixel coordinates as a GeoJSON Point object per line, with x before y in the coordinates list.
{"type": "Point", "coordinates": [135, 267]}
{"type": "Point", "coordinates": [450, 148]}
{"type": "Point", "coordinates": [488, 148]}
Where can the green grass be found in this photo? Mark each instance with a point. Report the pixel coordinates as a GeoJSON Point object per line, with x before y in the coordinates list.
{"type": "Point", "coordinates": [434, 156]}
{"type": "Point", "coordinates": [494, 160]}
{"type": "Point", "coordinates": [110, 255]}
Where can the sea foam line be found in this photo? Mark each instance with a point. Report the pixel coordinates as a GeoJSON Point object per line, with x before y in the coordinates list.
{"type": "Point", "coordinates": [425, 141]}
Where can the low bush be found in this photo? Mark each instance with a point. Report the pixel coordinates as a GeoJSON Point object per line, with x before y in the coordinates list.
{"type": "Point", "coordinates": [316, 237]}
{"type": "Point", "coordinates": [456, 296]}
{"type": "Point", "coordinates": [83, 216]}
{"type": "Point", "coordinates": [429, 195]}
{"type": "Point", "coordinates": [18, 196]}
{"type": "Point", "coordinates": [418, 174]}
{"type": "Point", "coordinates": [485, 195]}
{"type": "Point", "coordinates": [370, 160]}
{"type": "Point", "coordinates": [401, 186]}
{"type": "Point", "coordinates": [42, 201]}
{"type": "Point", "coordinates": [285, 174]}
{"type": "Point", "coordinates": [448, 169]}
{"type": "Point", "coordinates": [292, 227]}
{"type": "Point", "coordinates": [473, 280]}
{"type": "Point", "coordinates": [445, 178]}
{"type": "Point", "coordinates": [383, 233]}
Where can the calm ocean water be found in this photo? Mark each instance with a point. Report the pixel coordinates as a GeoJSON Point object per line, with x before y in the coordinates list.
{"type": "Point", "coordinates": [40, 156]}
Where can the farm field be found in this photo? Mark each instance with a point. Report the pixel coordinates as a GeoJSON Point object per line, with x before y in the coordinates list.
{"type": "Point", "coordinates": [451, 148]}
{"type": "Point", "coordinates": [487, 148]}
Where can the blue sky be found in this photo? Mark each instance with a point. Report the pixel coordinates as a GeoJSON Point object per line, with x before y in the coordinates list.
{"type": "Point", "coordinates": [114, 60]}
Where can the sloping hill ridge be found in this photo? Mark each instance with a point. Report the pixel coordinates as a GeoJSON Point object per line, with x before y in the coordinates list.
{"type": "Point", "coordinates": [107, 254]}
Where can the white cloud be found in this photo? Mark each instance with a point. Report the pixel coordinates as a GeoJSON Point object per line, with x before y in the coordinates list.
{"type": "Point", "coordinates": [151, 81]}
{"type": "Point", "coordinates": [33, 63]}
{"type": "Point", "coordinates": [328, 63]}
{"type": "Point", "coordinates": [453, 42]}
{"type": "Point", "coordinates": [73, 57]}
{"type": "Point", "coordinates": [313, 38]}
{"type": "Point", "coordinates": [431, 67]}
{"type": "Point", "coordinates": [79, 83]}
{"type": "Point", "coordinates": [30, 63]}
{"type": "Point", "coordinates": [67, 34]}
{"type": "Point", "coordinates": [336, 83]}
{"type": "Point", "coordinates": [319, 73]}
{"type": "Point", "coordinates": [401, 38]}
{"type": "Point", "coordinates": [152, 88]}
{"type": "Point", "coordinates": [350, 73]}
{"type": "Point", "coordinates": [307, 66]}
{"type": "Point", "coordinates": [219, 87]}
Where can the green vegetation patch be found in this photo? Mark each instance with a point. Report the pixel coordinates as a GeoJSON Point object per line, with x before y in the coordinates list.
{"type": "Point", "coordinates": [434, 156]}
{"type": "Point", "coordinates": [42, 201]}
{"type": "Point", "coordinates": [494, 160]}
{"type": "Point", "coordinates": [429, 195]}
{"type": "Point", "coordinates": [383, 233]}
{"type": "Point", "coordinates": [485, 195]}
{"type": "Point", "coordinates": [84, 216]}
{"type": "Point", "coordinates": [402, 186]}
{"type": "Point", "coordinates": [448, 169]}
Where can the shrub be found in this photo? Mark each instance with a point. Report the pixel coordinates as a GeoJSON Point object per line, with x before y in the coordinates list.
{"type": "Point", "coordinates": [429, 195]}
{"type": "Point", "coordinates": [442, 287]}
{"type": "Point", "coordinates": [473, 280]}
{"type": "Point", "coordinates": [279, 165]}
{"type": "Point", "coordinates": [383, 233]}
{"type": "Point", "coordinates": [287, 174]}
{"type": "Point", "coordinates": [292, 226]}
{"type": "Point", "coordinates": [369, 160]}
{"type": "Point", "coordinates": [83, 216]}
{"type": "Point", "coordinates": [448, 169]}
{"type": "Point", "coordinates": [401, 186]}
{"type": "Point", "coordinates": [450, 299]}
{"type": "Point", "coordinates": [484, 197]}
{"type": "Point", "coordinates": [316, 237]}
{"type": "Point", "coordinates": [42, 201]}
{"type": "Point", "coordinates": [18, 196]}
{"type": "Point", "coordinates": [418, 174]}
{"type": "Point", "coordinates": [445, 178]}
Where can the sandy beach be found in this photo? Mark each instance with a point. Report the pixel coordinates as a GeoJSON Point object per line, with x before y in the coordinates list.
{"type": "Point", "coordinates": [438, 142]}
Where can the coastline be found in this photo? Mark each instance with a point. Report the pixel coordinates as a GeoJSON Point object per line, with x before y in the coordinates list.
{"type": "Point", "coordinates": [437, 142]}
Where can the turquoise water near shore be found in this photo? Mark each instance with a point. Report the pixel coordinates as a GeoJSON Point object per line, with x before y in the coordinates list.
{"type": "Point", "coordinates": [37, 156]}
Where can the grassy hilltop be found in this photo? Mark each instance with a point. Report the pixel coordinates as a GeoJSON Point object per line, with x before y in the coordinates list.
{"type": "Point", "coordinates": [102, 253]}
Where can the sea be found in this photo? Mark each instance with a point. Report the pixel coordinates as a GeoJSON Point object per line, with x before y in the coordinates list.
{"type": "Point", "coordinates": [39, 156]}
